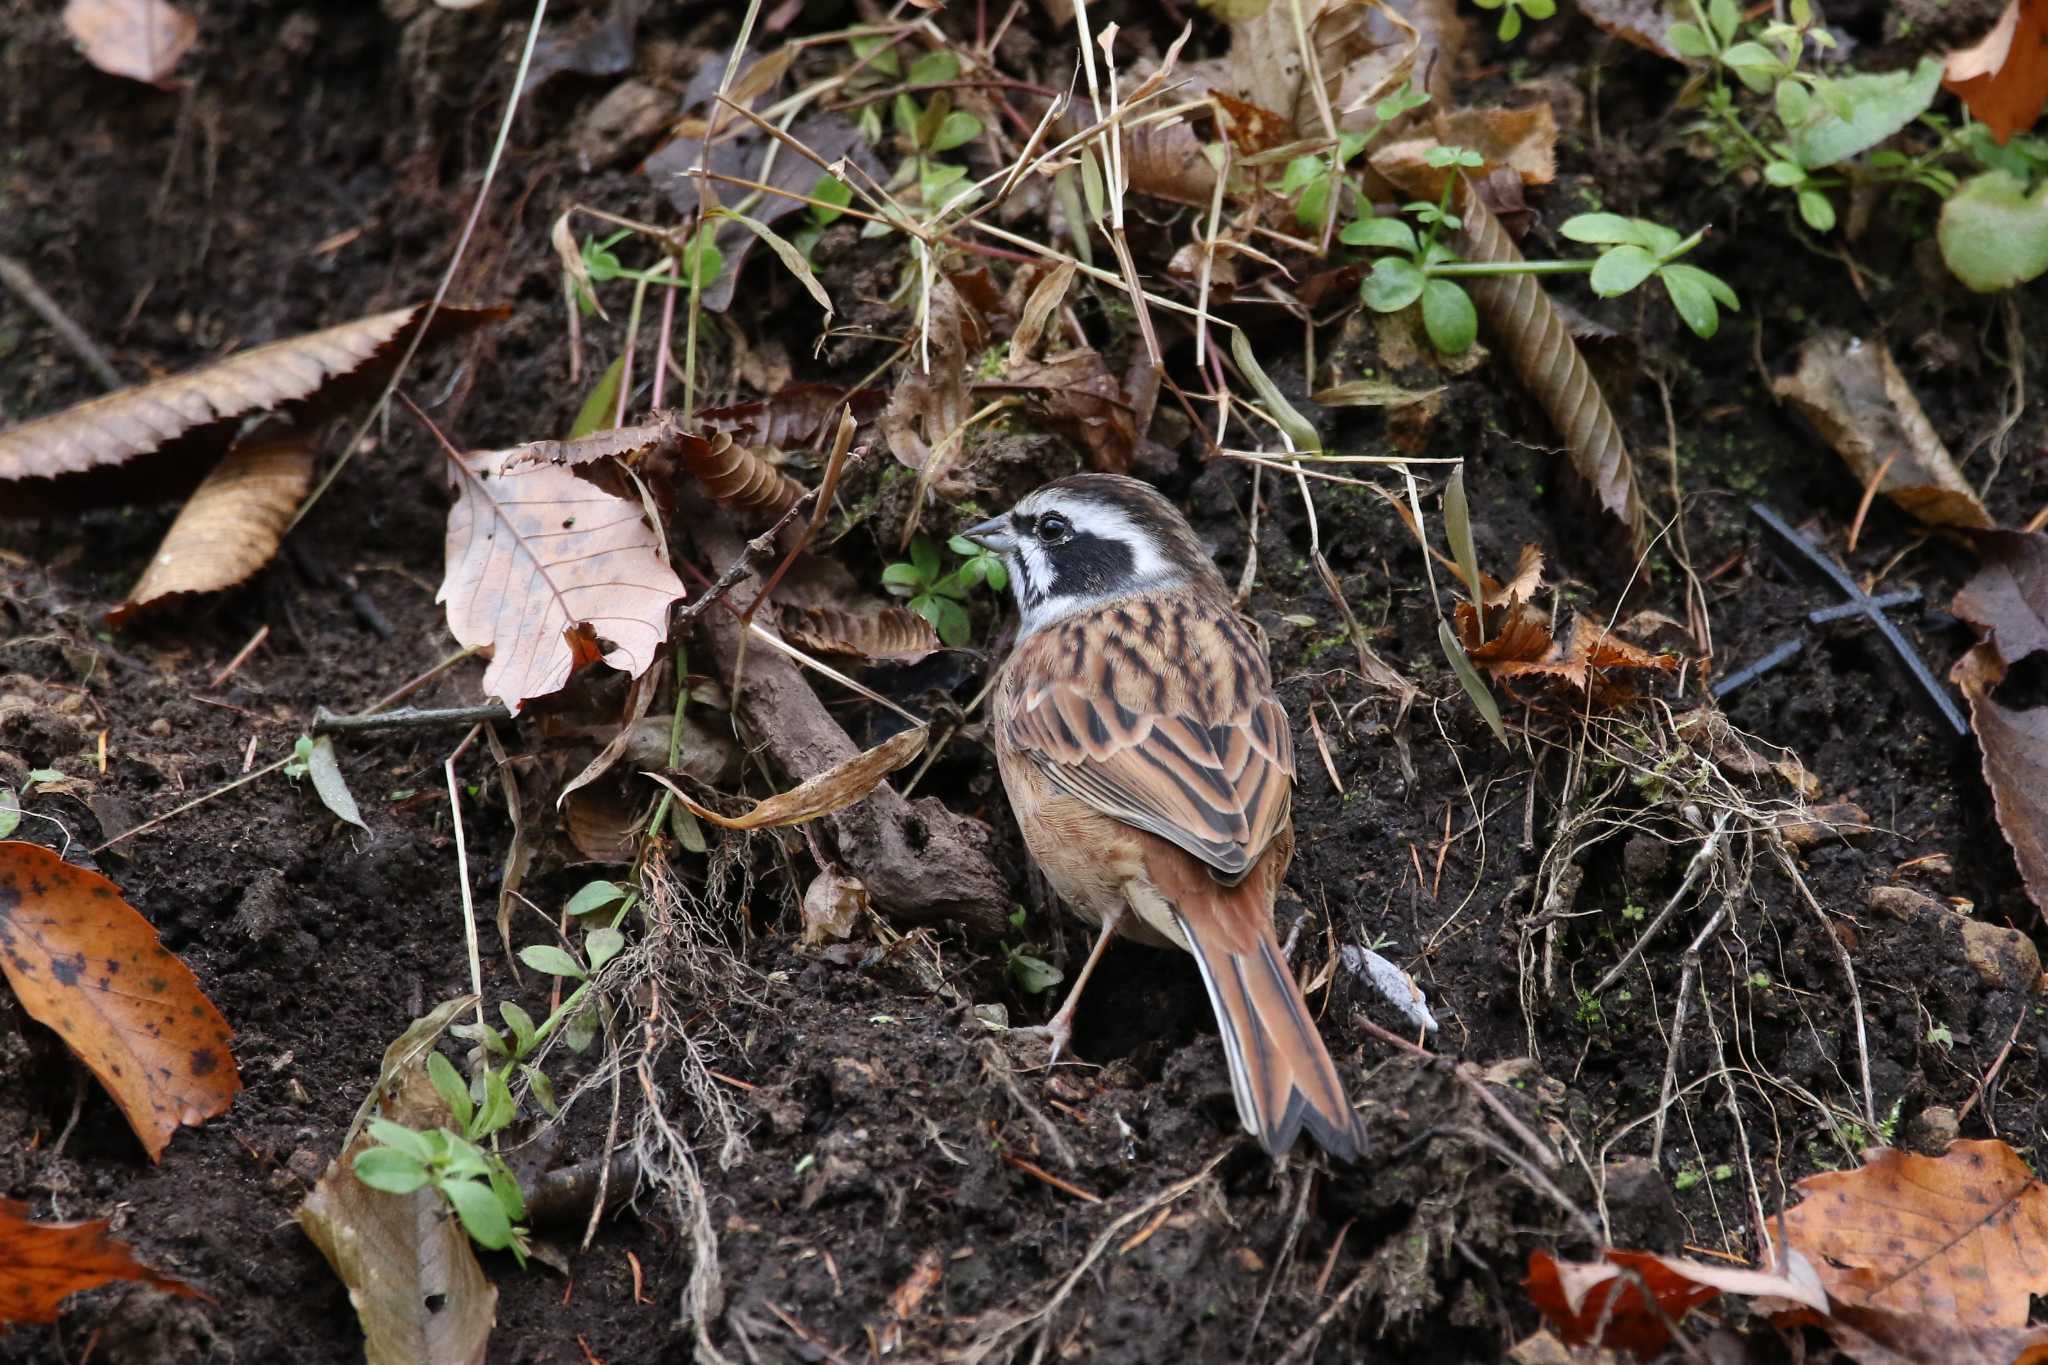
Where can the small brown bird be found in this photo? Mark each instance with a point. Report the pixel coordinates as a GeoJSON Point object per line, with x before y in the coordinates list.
{"type": "Point", "coordinates": [1151, 768]}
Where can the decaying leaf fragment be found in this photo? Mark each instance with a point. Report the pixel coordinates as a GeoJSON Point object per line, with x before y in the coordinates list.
{"type": "Point", "coordinates": [1642, 22]}
{"type": "Point", "coordinates": [1961, 1238]}
{"type": "Point", "coordinates": [547, 571]}
{"type": "Point", "coordinates": [1524, 140]}
{"type": "Point", "coordinates": [1852, 392]}
{"type": "Point", "coordinates": [1603, 1302]}
{"type": "Point", "coordinates": [230, 526]}
{"type": "Point", "coordinates": [42, 1264]}
{"type": "Point", "coordinates": [832, 790]}
{"type": "Point", "coordinates": [412, 1276]}
{"type": "Point", "coordinates": [84, 964]}
{"type": "Point", "coordinates": [180, 424]}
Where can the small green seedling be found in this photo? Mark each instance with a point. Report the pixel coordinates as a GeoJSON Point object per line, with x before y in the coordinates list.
{"type": "Point", "coordinates": [1512, 12]}
{"type": "Point", "coordinates": [1422, 268]}
{"type": "Point", "coordinates": [830, 195]}
{"type": "Point", "coordinates": [1312, 180]}
{"type": "Point", "coordinates": [940, 597]}
{"type": "Point", "coordinates": [474, 1181]}
{"type": "Point", "coordinates": [1031, 974]}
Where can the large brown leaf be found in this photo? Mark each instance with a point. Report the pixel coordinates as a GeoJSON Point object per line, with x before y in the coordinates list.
{"type": "Point", "coordinates": [184, 421]}
{"type": "Point", "coordinates": [1605, 1302]}
{"type": "Point", "coordinates": [2008, 602]}
{"type": "Point", "coordinates": [231, 525]}
{"type": "Point", "coordinates": [542, 566]}
{"type": "Point", "coordinates": [1961, 1238]}
{"type": "Point", "coordinates": [86, 965]}
{"type": "Point", "coordinates": [41, 1264]}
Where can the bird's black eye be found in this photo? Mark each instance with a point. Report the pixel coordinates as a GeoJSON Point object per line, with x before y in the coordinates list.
{"type": "Point", "coordinates": [1054, 529]}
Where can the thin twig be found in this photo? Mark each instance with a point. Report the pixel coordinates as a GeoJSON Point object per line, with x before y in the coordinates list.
{"type": "Point", "coordinates": [22, 281]}
{"type": "Point", "coordinates": [326, 722]}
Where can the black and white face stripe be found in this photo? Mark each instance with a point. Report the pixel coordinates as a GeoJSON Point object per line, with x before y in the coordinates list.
{"type": "Point", "coordinates": [1070, 551]}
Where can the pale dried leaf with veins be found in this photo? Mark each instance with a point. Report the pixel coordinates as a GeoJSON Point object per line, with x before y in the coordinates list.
{"type": "Point", "coordinates": [120, 427]}
{"type": "Point", "coordinates": [1852, 392]}
{"type": "Point", "coordinates": [891, 634]}
{"type": "Point", "coordinates": [230, 526]}
{"type": "Point", "coordinates": [537, 556]}
{"type": "Point", "coordinates": [1547, 360]}
{"type": "Point", "coordinates": [139, 39]}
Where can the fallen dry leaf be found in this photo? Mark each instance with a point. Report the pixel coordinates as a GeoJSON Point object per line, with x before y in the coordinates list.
{"type": "Point", "coordinates": [1603, 1303]}
{"type": "Point", "coordinates": [139, 39]}
{"type": "Point", "coordinates": [1961, 1238]}
{"type": "Point", "coordinates": [182, 423]}
{"type": "Point", "coordinates": [1642, 22]}
{"type": "Point", "coordinates": [2015, 748]}
{"type": "Point", "coordinates": [542, 567]}
{"type": "Point", "coordinates": [2003, 78]}
{"type": "Point", "coordinates": [838, 787]}
{"type": "Point", "coordinates": [1852, 392]}
{"type": "Point", "coordinates": [1523, 140]}
{"type": "Point", "coordinates": [1587, 656]}
{"type": "Point", "coordinates": [793, 415]}
{"type": "Point", "coordinates": [412, 1276]}
{"type": "Point", "coordinates": [41, 1264]}
{"type": "Point", "coordinates": [833, 904]}
{"type": "Point", "coordinates": [230, 526]}
{"type": "Point", "coordinates": [1083, 400]}
{"type": "Point", "coordinates": [892, 634]}
{"type": "Point", "coordinates": [2008, 598]}
{"type": "Point", "coordinates": [84, 964]}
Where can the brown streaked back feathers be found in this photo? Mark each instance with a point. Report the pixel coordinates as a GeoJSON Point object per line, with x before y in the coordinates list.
{"type": "Point", "coordinates": [1158, 710]}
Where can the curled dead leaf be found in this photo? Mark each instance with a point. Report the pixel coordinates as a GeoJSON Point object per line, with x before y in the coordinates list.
{"type": "Point", "coordinates": [891, 634]}
{"type": "Point", "coordinates": [42, 1264]}
{"type": "Point", "coordinates": [83, 963]}
{"type": "Point", "coordinates": [1852, 392]}
{"type": "Point", "coordinates": [230, 526]}
{"type": "Point", "coordinates": [833, 903]}
{"type": "Point", "coordinates": [165, 435]}
{"type": "Point", "coordinates": [1629, 1299]}
{"type": "Point", "coordinates": [1547, 360]}
{"type": "Point", "coordinates": [838, 787]}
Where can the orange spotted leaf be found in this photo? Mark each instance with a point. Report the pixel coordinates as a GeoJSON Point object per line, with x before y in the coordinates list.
{"type": "Point", "coordinates": [41, 1264]}
{"type": "Point", "coordinates": [85, 964]}
{"type": "Point", "coordinates": [1962, 1238]}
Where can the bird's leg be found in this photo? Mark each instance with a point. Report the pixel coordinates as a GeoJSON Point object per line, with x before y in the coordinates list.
{"type": "Point", "coordinates": [1059, 1030]}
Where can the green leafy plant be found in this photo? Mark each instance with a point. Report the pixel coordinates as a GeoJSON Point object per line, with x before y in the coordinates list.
{"type": "Point", "coordinates": [1815, 135]}
{"type": "Point", "coordinates": [1420, 266]}
{"type": "Point", "coordinates": [10, 812]}
{"type": "Point", "coordinates": [941, 597]}
{"type": "Point", "coordinates": [830, 196]}
{"type": "Point", "coordinates": [476, 1182]}
{"type": "Point", "coordinates": [1313, 179]}
{"type": "Point", "coordinates": [929, 128]}
{"type": "Point", "coordinates": [1513, 11]}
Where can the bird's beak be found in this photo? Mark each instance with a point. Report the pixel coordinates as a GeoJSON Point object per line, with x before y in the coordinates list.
{"type": "Point", "coordinates": [995, 534]}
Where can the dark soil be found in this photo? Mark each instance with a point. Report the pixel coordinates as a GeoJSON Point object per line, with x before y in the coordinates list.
{"type": "Point", "coordinates": [319, 164]}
